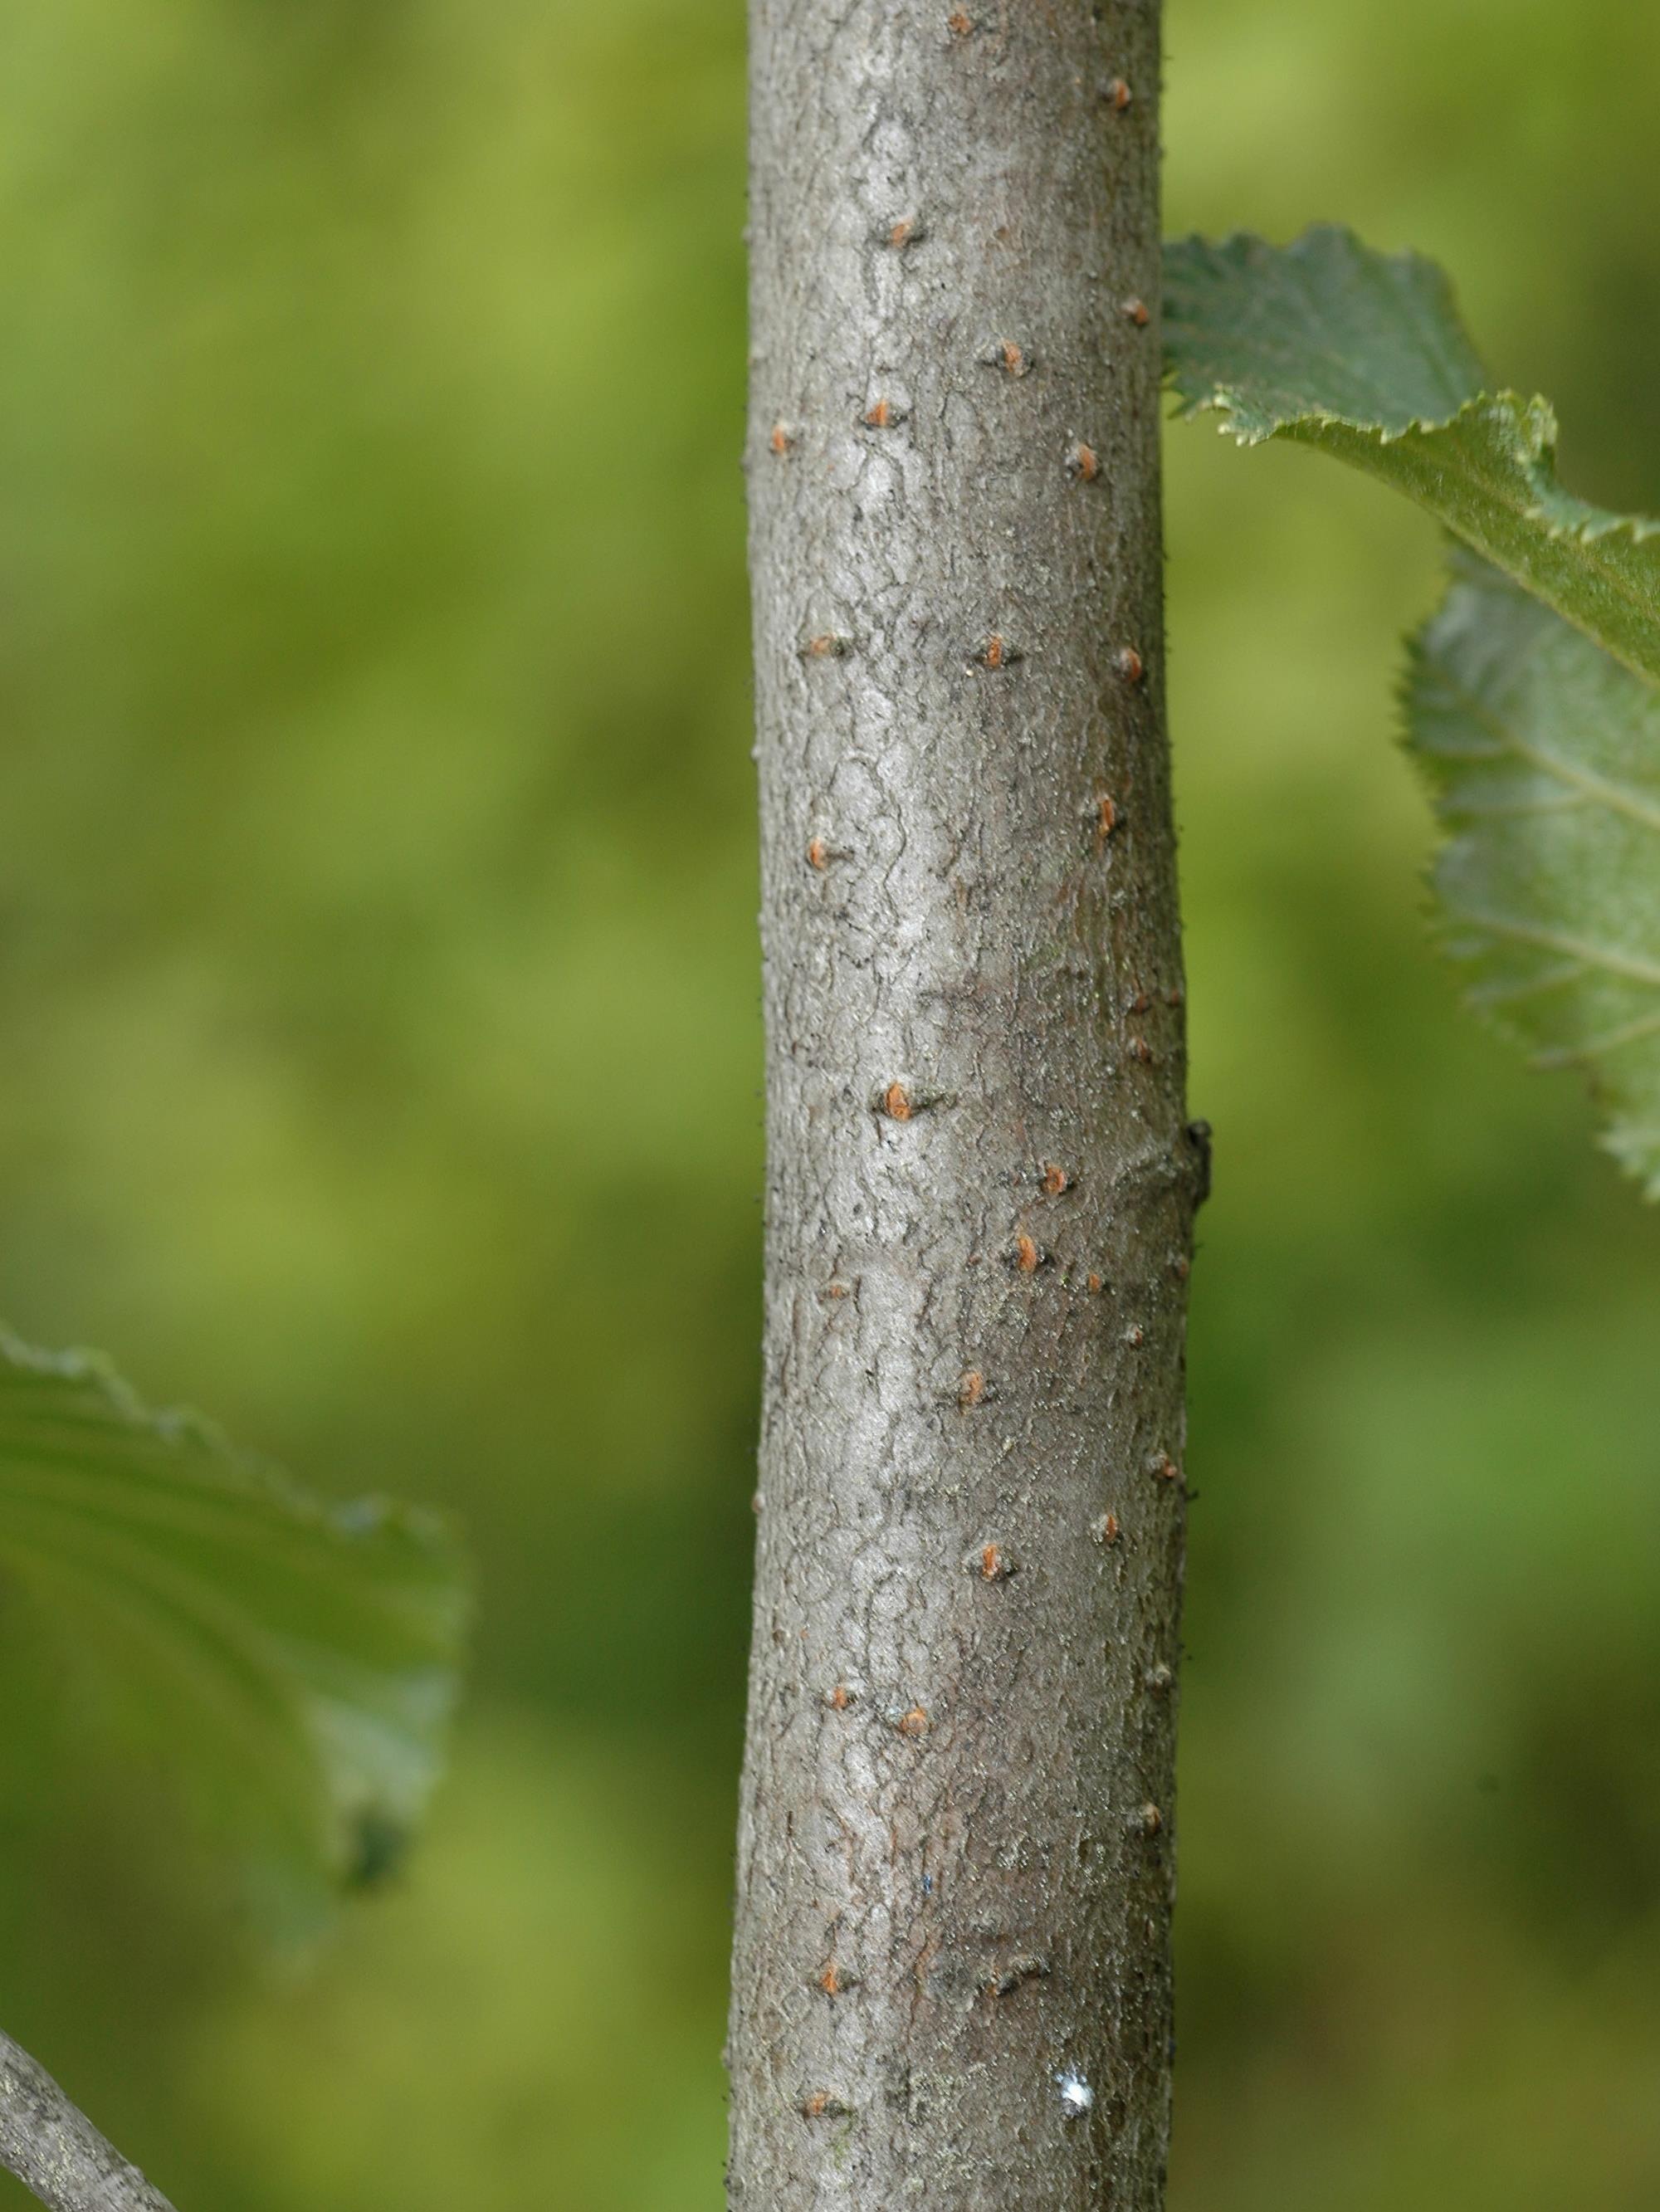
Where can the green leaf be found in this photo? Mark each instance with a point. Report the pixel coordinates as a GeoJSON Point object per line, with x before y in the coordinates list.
{"type": "Point", "coordinates": [1532, 695]}
{"type": "Point", "coordinates": [1545, 753]}
{"type": "Point", "coordinates": [1328, 344]}
{"type": "Point", "coordinates": [290, 1665]}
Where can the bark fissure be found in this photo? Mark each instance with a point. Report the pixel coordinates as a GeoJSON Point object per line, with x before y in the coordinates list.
{"type": "Point", "coordinates": [951, 1979]}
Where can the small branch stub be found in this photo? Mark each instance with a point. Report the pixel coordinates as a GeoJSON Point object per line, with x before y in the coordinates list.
{"type": "Point", "coordinates": [1198, 1136]}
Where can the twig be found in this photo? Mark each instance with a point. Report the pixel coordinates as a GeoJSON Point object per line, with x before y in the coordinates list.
{"type": "Point", "coordinates": [55, 2150]}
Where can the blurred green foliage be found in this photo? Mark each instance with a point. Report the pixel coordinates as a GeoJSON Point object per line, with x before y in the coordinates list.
{"type": "Point", "coordinates": [379, 1006]}
{"type": "Point", "coordinates": [175, 1604]}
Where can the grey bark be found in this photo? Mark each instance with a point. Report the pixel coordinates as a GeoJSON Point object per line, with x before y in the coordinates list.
{"type": "Point", "coordinates": [956, 1862]}
{"type": "Point", "coordinates": [54, 2149]}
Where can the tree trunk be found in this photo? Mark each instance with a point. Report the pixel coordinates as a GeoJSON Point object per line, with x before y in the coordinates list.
{"type": "Point", "coordinates": [952, 1981]}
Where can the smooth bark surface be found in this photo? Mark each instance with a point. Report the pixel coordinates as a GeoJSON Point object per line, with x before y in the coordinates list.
{"type": "Point", "coordinates": [54, 2149]}
{"type": "Point", "coordinates": [952, 1981]}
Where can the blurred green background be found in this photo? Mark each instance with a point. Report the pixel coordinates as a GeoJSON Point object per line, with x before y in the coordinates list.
{"type": "Point", "coordinates": [379, 1056]}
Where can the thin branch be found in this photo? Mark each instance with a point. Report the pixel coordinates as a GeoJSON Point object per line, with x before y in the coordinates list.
{"type": "Point", "coordinates": [55, 2150]}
